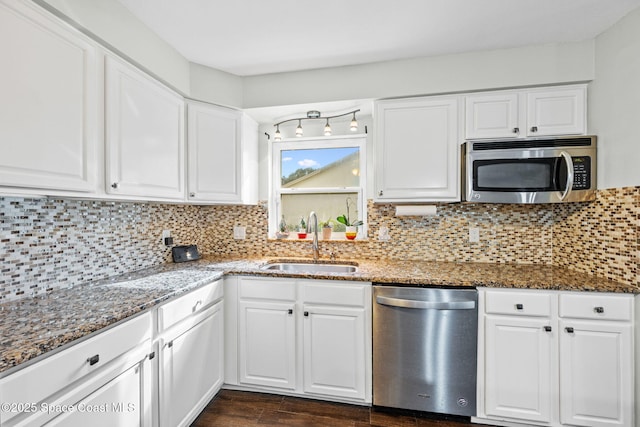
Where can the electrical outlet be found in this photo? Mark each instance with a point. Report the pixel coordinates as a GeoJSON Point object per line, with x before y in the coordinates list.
{"type": "Point", "coordinates": [165, 234]}
{"type": "Point", "coordinates": [239, 232]}
{"type": "Point", "coordinates": [474, 235]}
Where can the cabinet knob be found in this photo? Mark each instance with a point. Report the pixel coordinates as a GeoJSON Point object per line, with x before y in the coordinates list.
{"type": "Point", "coordinates": [152, 355]}
{"type": "Point", "coordinates": [192, 194]}
{"type": "Point", "coordinates": [534, 128]}
{"type": "Point", "coordinates": [114, 185]}
{"type": "Point", "coordinates": [306, 314]}
{"type": "Point", "coordinates": [290, 311]}
{"type": "Point", "coordinates": [519, 307]}
{"type": "Point", "coordinates": [380, 193]}
{"type": "Point", "coordinates": [598, 310]}
{"type": "Point", "coordinates": [170, 344]}
{"type": "Point", "coordinates": [93, 360]}
{"type": "Point", "coordinates": [569, 330]}
{"type": "Point", "coordinates": [548, 329]}
{"type": "Point", "coordinates": [516, 130]}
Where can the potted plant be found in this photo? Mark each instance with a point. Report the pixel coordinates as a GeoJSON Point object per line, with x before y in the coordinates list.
{"type": "Point", "coordinates": [326, 229]}
{"type": "Point", "coordinates": [302, 229]}
{"type": "Point", "coordinates": [351, 227]}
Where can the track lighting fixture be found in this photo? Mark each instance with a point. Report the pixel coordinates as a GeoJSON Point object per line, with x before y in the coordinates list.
{"type": "Point", "coordinates": [354, 123]}
{"type": "Point", "coordinates": [299, 132]}
{"type": "Point", "coordinates": [315, 115]}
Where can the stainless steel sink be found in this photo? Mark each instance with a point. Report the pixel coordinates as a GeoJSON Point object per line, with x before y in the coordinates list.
{"type": "Point", "coordinates": [310, 267]}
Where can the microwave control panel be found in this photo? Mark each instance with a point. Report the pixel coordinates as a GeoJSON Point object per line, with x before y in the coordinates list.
{"type": "Point", "coordinates": [581, 172]}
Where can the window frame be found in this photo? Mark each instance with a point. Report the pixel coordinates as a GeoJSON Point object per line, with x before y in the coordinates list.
{"type": "Point", "coordinates": [275, 185]}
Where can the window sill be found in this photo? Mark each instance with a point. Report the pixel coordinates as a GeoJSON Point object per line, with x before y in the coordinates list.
{"type": "Point", "coordinates": [335, 238]}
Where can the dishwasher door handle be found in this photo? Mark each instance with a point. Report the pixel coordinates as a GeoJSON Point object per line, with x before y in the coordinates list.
{"type": "Point", "coordinates": [426, 305]}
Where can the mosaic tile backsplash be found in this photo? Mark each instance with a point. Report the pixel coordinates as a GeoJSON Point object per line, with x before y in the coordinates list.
{"type": "Point", "coordinates": [52, 243]}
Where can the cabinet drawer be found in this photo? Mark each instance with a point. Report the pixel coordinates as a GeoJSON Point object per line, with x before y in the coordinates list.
{"type": "Point", "coordinates": [39, 381]}
{"type": "Point", "coordinates": [173, 312]}
{"type": "Point", "coordinates": [335, 294]}
{"type": "Point", "coordinates": [268, 289]}
{"type": "Point", "coordinates": [518, 303]}
{"type": "Point", "coordinates": [596, 306]}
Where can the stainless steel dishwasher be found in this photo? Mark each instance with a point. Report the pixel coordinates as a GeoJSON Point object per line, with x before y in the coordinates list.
{"type": "Point", "coordinates": [424, 349]}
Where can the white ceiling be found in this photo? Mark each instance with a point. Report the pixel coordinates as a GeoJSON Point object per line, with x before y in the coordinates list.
{"type": "Point", "coordinates": [250, 37]}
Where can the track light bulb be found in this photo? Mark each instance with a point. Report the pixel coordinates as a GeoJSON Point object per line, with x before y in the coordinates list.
{"type": "Point", "coordinates": [299, 128]}
{"type": "Point", "coordinates": [327, 129]}
{"type": "Point", "coordinates": [354, 124]}
{"type": "Point", "coordinates": [278, 135]}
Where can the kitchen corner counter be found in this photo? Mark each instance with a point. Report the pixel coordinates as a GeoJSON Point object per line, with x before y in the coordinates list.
{"type": "Point", "coordinates": [37, 325]}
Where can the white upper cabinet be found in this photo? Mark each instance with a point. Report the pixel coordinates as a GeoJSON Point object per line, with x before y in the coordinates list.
{"type": "Point", "coordinates": [560, 111]}
{"type": "Point", "coordinates": [416, 150]}
{"type": "Point", "coordinates": [48, 106]}
{"type": "Point", "coordinates": [526, 113]}
{"type": "Point", "coordinates": [214, 153]}
{"type": "Point", "coordinates": [492, 116]}
{"type": "Point", "coordinates": [144, 129]}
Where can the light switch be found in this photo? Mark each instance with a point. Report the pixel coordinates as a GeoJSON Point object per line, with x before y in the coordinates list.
{"type": "Point", "coordinates": [474, 235]}
{"type": "Point", "coordinates": [239, 232]}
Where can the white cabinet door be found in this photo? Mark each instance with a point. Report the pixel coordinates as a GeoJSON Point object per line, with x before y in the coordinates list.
{"type": "Point", "coordinates": [214, 153]}
{"type": "Point", "coordinates": [334, 351]}
{"type": "Point", "coordinates": [144, 135]}
{"type": "Point", "coordinates": [416, 150]}
{"type": "Point", "coordinates": [49, 104]}
{"type": "Point", "coordinates": [492, 116]}
{"type": "Point", "coordinates": [556, 112]}
{"type": "Point", "coordinates": [118, 403]}
{"type": "Point", "coordinates": [192, 369]}
{"type": "Point", "coordinates": [518, 376]}
{"type": "Point", "coordinates": [596, 384]}
{"type": "Point", "coordinates": [267, 344]}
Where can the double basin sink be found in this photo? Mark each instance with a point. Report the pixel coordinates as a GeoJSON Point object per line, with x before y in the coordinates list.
{"type": "Point", "coordinates": [310, 267]}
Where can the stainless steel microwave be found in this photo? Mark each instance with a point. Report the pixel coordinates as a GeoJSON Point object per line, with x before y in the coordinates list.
{"type": "Point", "coordinates": [545, 170]}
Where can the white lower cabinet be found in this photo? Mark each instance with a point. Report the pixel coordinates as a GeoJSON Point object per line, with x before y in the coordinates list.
{"type": "Point", "coordinates": [192, 369]}
{"type": "Point", "coordinates": [305, 337]}
{"type": "Point", "coordinates": [103, 381]}
{"type": "Point", "coordinates": [267, 344]}
{"type": "Point", "coordinates": [191, 362]}
{"type": "Point", "coordinates": [117, 403]}
{"type": "Point", "coordinates": [518, 374]}
{"type": "Point", "coordinates": [556, 358]}
{"type": "Point", "coordinates": [334, 351]}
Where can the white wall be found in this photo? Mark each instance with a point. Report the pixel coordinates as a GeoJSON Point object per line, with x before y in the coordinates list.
{"type": "Point", "coordinates": [614, 103]}
{"type": "Point", "coordinates": [532, 65]}
{"type": "Point", "coordinates": [218, 87]}
{"type": "Point", "coordinates": [112, 22]}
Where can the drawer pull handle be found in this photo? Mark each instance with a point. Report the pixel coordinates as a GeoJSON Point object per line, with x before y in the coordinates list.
{"type": "Point", "coordinates": [599, 310]}
{"type": "Point", "coordinates": [519, 307]}
{"type": "Point", "coordinates": [195, 307]}
{"type": "Point", "coordinates": [516, 130]}
{"type": "Point", "coordinates": [548, 329]}
{"type": "Point", "coordinates": [93, 360]}
{"type": "Point", "coordinates": [290, 311]}
{"type": "Point", "coordinates": [569, 330]}
{"type": "Point", "coordinates": [306, 314]}
{"type": "Point", "coordinates": [534, 128]}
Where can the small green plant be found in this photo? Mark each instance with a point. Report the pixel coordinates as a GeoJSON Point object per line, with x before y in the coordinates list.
{"type": "Point", "coordinates": [346, 219]}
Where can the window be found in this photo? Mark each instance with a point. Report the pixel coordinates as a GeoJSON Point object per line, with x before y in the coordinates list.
{"type": "Point", "coordinates": [320, 175]}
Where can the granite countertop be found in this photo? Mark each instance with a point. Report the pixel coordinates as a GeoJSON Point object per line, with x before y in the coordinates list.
{"type": "Point", "coordinates": [34, 326]}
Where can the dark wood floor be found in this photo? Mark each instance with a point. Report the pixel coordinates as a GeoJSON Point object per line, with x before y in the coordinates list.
{"type": "Point", "coordinates": [237, 408]}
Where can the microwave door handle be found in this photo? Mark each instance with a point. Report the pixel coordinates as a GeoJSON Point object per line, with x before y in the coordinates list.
{"type": "Point", "coordinates": [570, 174]}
